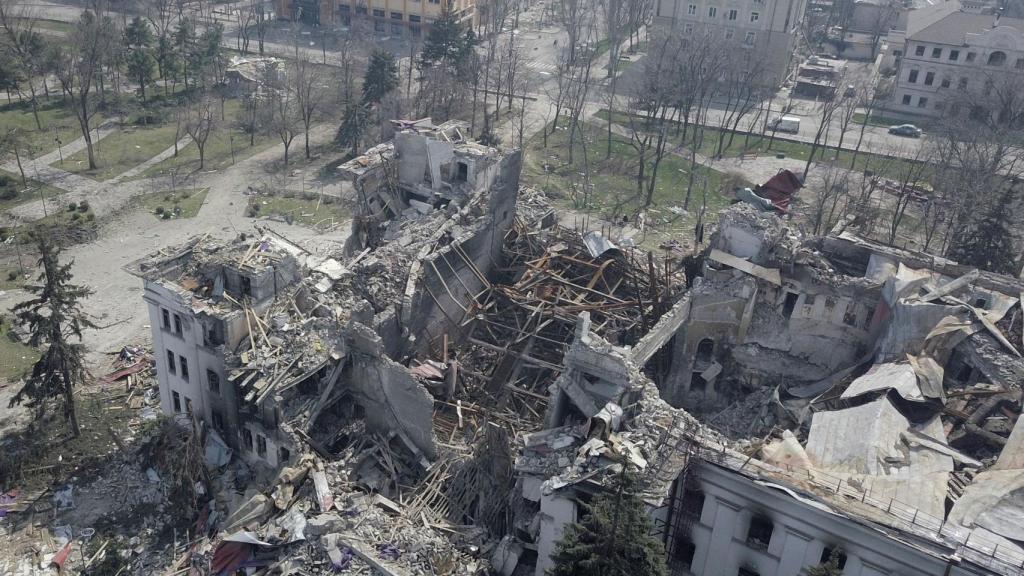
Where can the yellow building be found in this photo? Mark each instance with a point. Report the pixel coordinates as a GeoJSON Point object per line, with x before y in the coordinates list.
{"type": "Point", "coordinates": [386, 17]}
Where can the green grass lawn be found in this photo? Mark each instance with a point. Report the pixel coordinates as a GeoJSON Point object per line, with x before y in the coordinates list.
{"type": "Point", "coordinates": [15, 357]}
{"type": "Point", "coordinates": [614, 181]}
{"type": "Point", "coordinates": [305, 210]}
{"type": "Point", "coordinates": [173, 205]}
{"type": "Point", "coordinates": [13, 193]}
{"type": "Point", "coordinates": [55, 26]}
{"type": "Point", "coordinates": [739, 144]}
{"type": "Point", "coordinates": [123, 150]}
{"type": "Point", "coordinates": [58, 121]}
{"type": "Point", "coordinates": [225, 146]}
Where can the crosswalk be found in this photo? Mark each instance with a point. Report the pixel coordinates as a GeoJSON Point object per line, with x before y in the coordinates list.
{"type": "Point", "coordinates": [542, 68]}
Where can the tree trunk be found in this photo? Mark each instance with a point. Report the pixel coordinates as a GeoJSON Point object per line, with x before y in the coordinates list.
{"type": "Point", "coordinates": [69, 404]}
{"type": "Point", "coordinates": [83, 121]}
{"type": "Point", "coordinates": [17, 157]}
{"type": "Point", "coordinates": [35, 106]}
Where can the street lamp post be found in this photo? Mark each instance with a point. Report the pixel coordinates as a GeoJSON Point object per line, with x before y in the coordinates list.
{"type": "Point", "coordinates": [56, 138]}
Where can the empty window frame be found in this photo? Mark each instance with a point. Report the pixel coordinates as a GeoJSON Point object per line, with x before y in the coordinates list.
{"type": "Point", "coordinates": [759, 534]}
{"type": "Point", "coordinates": [213, 381]}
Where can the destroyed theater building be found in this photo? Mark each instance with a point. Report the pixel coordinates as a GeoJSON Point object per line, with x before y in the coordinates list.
{"type": "Point", "coordinates": [461, 379]}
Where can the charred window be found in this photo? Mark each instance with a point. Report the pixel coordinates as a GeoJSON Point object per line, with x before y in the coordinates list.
{"type": "Point", "coordinates": [759, 535]}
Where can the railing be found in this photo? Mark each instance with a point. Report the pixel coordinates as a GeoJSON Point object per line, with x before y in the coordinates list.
{"type": "Point", "coordinates": [970, 546]}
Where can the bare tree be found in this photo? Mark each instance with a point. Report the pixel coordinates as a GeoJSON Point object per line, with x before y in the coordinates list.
{"type": "Point", "coordinates": [978, 141]}
{"type": "Point", "coordinates": [80, 65]}
{"type": "Point", "coordinates": [883, 17]}
{"type": "Point", "coordinates": [826, 110]}
{"type": "Point", "coordinates": [828, 199]}
{"type": "Point", "coordinates": [281, 116]}
{"type": "Point", "coordinates": [845, 111]}
{"type": "Point", "coordinates": [26, 47]}
{"type": "Point", "coordinates": [262, 23]}
{"type": "Point", "coordinates": [640, 13]}
{"type": "Point", "coordinates": [910, 173]}
{"type": "Point", "coordinates": [245, 17]}
{"type": "Point", "coordinates": [742, 87]}
{"type": "Point", "coordinates": [696, 86]}
{"type": "Point", "coordinates": [616, 17]}
{"type": "Point", "coordinates": [310, 94]}
{"type": "Point", "coordinates": [867, 98]}
{"type": "Point", "coordinates": [200, 125]}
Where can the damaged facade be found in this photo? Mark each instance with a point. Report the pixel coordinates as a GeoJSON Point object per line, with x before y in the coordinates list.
{"type": "Point", "coordinates": [820, 414]}
{"type": "Point", "coordinates": [441, 396]}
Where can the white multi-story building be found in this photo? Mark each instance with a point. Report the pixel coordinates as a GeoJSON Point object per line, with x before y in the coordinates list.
{"type": "Point", "coordinates": [202, 303]}
{"type": "Point", "coordinates": [762, 32]}
{"type": "Point", "coordinates": [949, 57]}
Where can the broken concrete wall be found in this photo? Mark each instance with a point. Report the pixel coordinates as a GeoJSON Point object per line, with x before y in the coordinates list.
{"type": "Point", "coordinates": [446, 278]}
{"type": "Point", "coordinates": [852, 255]}
{"type": "Point", "coordinates": [760, 237]}
{"type": "Point", "coordinates": [393, 400]}
{"type": "Point", "coordinates": [595, 374]}
{"type": "Point", "coordinates": [667, 328]}
{"type": "Point", "coordinates": [557, 509]}
{"type": "Point", "coordinates": [716, 315]}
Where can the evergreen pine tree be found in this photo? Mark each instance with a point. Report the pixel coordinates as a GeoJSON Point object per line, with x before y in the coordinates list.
{"type": "Point", "coordinates": [53, 317]}
{"type": "Point", "coordinates": [613, 538]}
{"type": "Point", "coordinates": [381, 77]}
{"type": "Point", "coordinates": [448, 43]}
{"type": "Point", "coordinates": [353, 125]}
{"type": "Point", "coordinates": [989, 242]}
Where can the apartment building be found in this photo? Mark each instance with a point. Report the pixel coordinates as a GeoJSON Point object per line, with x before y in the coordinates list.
{"type": "Point", "coordinates": [762, 32]}
{"type": "Point", "coordinates": [203, 300]}
{"type": "Point", "coordinates": [949, 56]}
{"type": "Point", "coordinates": [385, 17]}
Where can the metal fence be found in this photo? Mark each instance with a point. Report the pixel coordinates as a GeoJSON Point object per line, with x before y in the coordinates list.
{"type": "Point", "coordinates": [970, 546]}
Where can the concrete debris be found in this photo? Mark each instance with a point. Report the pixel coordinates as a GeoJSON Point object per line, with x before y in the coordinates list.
{"type": "Point", "coordinates": [441, 395]}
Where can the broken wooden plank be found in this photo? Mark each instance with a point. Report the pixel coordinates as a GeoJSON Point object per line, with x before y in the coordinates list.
{"type": "Point", "coordinates": [767, 274]}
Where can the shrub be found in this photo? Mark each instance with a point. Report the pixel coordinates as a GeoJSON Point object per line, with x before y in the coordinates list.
{"type": "Point", "coordinates": [5, 180]}
{"type": "Point", "coordinates": [8, 192]}
{"type": "Point", "coordinates": [308, 196]}
{"type": "Point", "coordinates": [165, 216]}
{"type": "Point", "coordinates": [288, 194]}
{"type": "Point", "coordinates": [185, 195]}
{"type": "Point", "coordinates": [330, 199]}
{"type": "Point", "coordinates": [12, 276]}
{"type": "Point", "coordinates": [252, 212]}
{"type": "Point", "coordinates": [83, 206]}
{"type": "Point", "coordinates": [168, 197]}
{"type": "Point", "coordinates": [90, 217]}
{"type": "Point", "coordinates": [75, 217]}
{"type": "Point", "coordinates": [159, 210]}
{"type": "Point", "coordinates": [72, 207]}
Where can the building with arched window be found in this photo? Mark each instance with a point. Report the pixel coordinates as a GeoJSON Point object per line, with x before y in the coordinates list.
{"type": "Point", "coordinates": [949, 56]}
